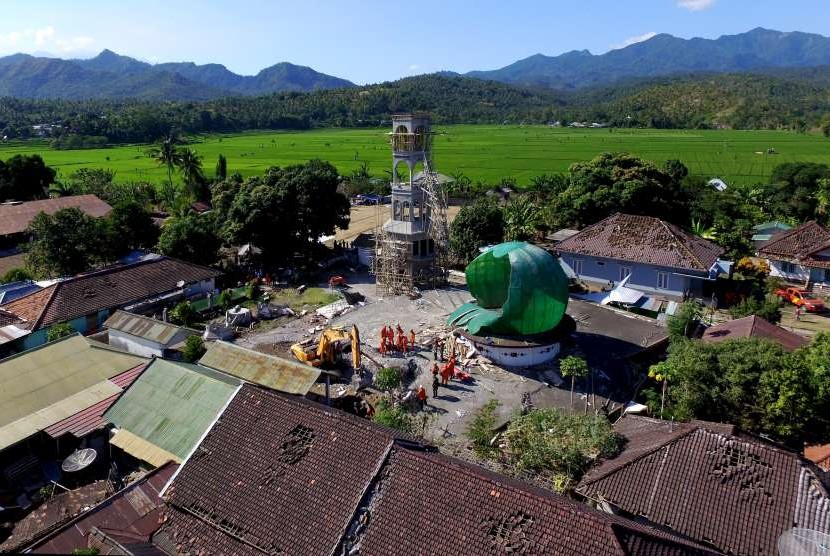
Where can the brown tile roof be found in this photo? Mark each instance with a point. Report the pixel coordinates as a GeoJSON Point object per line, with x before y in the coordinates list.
{"type": "Point", "coordinates": [732, 492]}
{"type": "Point", "coordinates": [799, 245]}
{"type": "Point", "coordinates": [433, 504]}
{"type": "Point", "coordinates": [14, 219]}
{"type": "Point", "coordinates": [820, 455]}
{"type": "Point", "coordinates": [643, 239]}
{"type": "Point", "coordinates": [105, 289]}
{"type": "Point", "coordinates": [754, 326]}
{"type": "Point", "coordinates": [133, 512]}
{"type": "Point", "coordinates": [281, 473]}
{"type": "Point", "coordinates": [9, 262]}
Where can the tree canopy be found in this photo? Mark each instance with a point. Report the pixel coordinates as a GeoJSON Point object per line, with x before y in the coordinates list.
{"type": "Point", "coordinates": [25, 178]}
{"type": "Point", "coordinates": [191, 238]}
{"type": "Point", "coordinates": [66, 243]}
{"type": "Point", "coordinates": [478, 224]}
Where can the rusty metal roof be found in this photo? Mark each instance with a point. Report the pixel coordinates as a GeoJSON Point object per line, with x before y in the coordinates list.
{"type": "Point", "coordinates": [260, 368]}
{"type": "Point", "coordinates": [145, 327]}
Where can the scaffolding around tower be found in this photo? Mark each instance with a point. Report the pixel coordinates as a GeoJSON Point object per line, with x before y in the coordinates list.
{"type": "Point", "coordinates": [411, 245]}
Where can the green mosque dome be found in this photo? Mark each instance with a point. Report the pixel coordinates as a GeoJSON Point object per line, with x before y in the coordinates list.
{"type": "Point", "coordinates": [520, 290]}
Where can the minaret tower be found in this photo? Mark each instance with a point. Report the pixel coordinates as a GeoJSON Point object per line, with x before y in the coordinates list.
{"type": "Point", "coordinates": [406, 252]}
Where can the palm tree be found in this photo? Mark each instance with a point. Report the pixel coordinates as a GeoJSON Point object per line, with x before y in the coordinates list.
{"type": "Point", "coordinates": [61, 189]}
{"type": "Point", "coordinates": [167, 154]}
{"type": "Point", "coordinates": [700, 230]}
{"type": "Point", "coordinates": [520, 218]}
{"type": "Point", "coordinates": [190, 165]}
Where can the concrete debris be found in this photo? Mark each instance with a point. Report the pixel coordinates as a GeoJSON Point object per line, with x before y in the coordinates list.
{"type": "Point", "coordinates": [332, 310]}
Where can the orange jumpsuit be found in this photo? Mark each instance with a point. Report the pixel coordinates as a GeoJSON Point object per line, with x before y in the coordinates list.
{"type": "Point", "coordinates": [411, 339]}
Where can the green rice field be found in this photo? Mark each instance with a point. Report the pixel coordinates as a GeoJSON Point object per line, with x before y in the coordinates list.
{"type": "Point", "coordinates": [482, 152]}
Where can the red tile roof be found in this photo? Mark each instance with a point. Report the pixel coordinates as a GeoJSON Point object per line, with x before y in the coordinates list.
{"type": "Point", "coordinates": [14, 219]}
{"type": "Point", "coordinates": [754, 326]}
{"type": "Point", "coordinates": [643, 239]}
{"type": "Point", "coordinates": [134, 512]}
{"type": "Point", "coordinates": [284, 475]}
{"type": "Point", "coordinates": [433, 504]}
{"type": "Point", "coordinates": [105, 289]}
{"type": "Point", "coordinates": [799, 245]}
{"type": "Point", "coordinates": [91, 418]}
{"type": "Point", "coordinates": [732, 492]}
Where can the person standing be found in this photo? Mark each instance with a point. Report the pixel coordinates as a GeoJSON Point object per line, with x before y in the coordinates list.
{"type": "Point", "coordinates": [421, 394]}
{"type": "Point", "coordinates": [435, 385]}
{"type": "Point", "coordinates": [412, 339]}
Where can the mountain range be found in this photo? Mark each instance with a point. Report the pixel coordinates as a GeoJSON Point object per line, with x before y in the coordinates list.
{"type": "Point", "coordinates": [661, 55]}
{"type": "Point", "coordinates": [112, 76]}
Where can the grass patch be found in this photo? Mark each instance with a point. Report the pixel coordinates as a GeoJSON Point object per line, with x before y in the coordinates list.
{"type": "Point", "coordinates": [311, 298]}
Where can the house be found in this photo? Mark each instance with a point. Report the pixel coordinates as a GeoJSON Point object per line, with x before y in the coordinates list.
{"type": "Point", "coordinates": [276, 373]}
{"type": "Point", "coordinates": [657, 257]}
{"type": "Point", "coordinates": [800, 255]}
{"type": "Point", "coordinates": [762, 233]}
{"type": "Point", "coordinates": [754, 326]}
{"type": "Point", "coordinates": [709, 482]}
{"type": "Point", "coordinates": [163, 415]}
{"type": "Point", "coordinates": [145, 336]}
{"type": "Point", "coordinates": [60, 388]}
{"type": "Point", "coordinates": [15, 216]}
{"type": "Point", "coordinates": [281, 474]}
{"type": "Point", "coordinates": [87, 300]}
{"type": "Point", "coordinates": [819, 454]}
{"type": "Point", "coordinates": [122, 524]}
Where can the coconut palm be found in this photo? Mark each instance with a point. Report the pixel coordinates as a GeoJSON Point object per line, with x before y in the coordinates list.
{"type": "Point", "coordinates": [61, 189]}
{"type": "Point", "coordinates": [167, 154]}
{"type": "Point", "coordinates": [190, 166]}
{"type": "Point", "coordinates": [701, 230]}
{"type": "Point", "coordinates": [520, 218]}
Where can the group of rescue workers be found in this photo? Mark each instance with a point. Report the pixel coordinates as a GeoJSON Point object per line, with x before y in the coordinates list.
{"type": "Point", "coordinates": [395, 340]}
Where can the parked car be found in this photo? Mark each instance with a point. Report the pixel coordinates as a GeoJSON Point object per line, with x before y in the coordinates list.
{"type": "Point", "coordinates": [801, 298]}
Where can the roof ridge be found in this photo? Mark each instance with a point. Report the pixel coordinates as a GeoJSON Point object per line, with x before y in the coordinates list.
{"type": "Point", "coordinates": [787, 233]}
{"type": "Point", "coordinates": [588, 227]}
{"type": "Point", "coordinates": [681, 433]}
{"type": "Point", "coordinates": [46, 305]}
{"type": "Point", "coordinates": [681, 241]}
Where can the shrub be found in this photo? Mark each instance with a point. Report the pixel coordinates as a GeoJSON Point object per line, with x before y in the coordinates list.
{"type": "Point", "coordinates": [252, 289]}
{"type": "Point", "coordinates": [194, 349]}
{"type": "Point", "coordinates": [16, 275]}
{"type": "Point", "coordinates": [480, 430]}
{"type": "Point", "coordinates": [225, 299]}
{"type": "Point", "coordinates": [559, 446]}
{"type": "Point", "coordinates": [183, 314]}
{"type": "Point", "coordinates": [395, 417]}
{"type": "Point", "coordinates": [59, 331]}
{"type": "Point", "coordinates": [768, 309]}
{"type": "Point", "coordinates": [387, 378]}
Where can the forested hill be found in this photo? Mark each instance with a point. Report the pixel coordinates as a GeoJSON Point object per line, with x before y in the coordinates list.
{"type": "Point", "coordinates": [743, 101]}
{"type": "Point", "coordinates": [113, 76]}
{"type": "Point", "coordinates": [663, 54]}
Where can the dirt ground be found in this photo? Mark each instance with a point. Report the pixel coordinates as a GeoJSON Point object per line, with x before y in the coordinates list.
{"type": "Point", "coordinates": [365, 218]}
{"type": "Point", "coordinates": [445, 417]}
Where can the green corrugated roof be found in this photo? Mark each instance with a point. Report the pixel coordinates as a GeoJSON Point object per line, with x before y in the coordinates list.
{"type": "Point", "coordinates": [37, 378]}
{"type": "Point", "coordinates": [172, 404]}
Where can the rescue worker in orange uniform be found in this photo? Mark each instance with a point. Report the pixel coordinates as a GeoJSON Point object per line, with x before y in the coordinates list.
{"type": "Point", "coordinates": [421, 393]}
{"type": "Point", "coordinates": [412, 339]}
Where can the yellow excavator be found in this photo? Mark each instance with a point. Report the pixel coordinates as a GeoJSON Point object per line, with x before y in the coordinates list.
{"type": "Point", "coordinates": [327, 348]}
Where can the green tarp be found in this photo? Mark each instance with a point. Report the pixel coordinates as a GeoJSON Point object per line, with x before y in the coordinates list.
{"type": "Point", "coordinates": [520, 289]}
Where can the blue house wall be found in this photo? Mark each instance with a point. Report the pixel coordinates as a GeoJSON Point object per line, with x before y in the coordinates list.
{"type": "Point", "coordinates": [644, 277]}
{"type": "Point", "coordinates": [80, 324]}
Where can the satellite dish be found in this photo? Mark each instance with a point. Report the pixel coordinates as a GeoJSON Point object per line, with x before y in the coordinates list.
{"type": "Point", "coordinates": [803, 542]}
{"type": "Point", "coordinates": [78, 460]}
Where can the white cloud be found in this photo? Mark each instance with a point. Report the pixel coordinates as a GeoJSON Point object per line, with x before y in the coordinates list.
{"type": "Point", "coordinates": [695, 5]}
{"type": "Point", "coordinates": [633, 40]}
{"type": "Point", "coordinates": [413, 67]}
{"type": "Point", "coordinates": [44, 38]}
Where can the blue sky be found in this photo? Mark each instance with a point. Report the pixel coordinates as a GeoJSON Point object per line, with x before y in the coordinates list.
{"type": "Point", "coordinates": [368, 41]}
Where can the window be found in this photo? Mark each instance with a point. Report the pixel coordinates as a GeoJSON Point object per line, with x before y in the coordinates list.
{"type": "Point", "coordinates": [662, 280]}
{"type": "Point", "coordinates": [787, 267]}
{"type": "Point", "coordinates": [827, 274]}
{"type": "Point", "coordinates": [577, 266]}
{"type": "Point", "coordinates": [423, 247]}
{"type": "Point", "coordinates": [625, 272]}
{"type": "Point", "coordinates": [600, 263]}
{"type": "Point", "coordinates": [415, 248]}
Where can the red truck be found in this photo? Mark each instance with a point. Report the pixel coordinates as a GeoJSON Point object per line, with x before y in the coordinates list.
{"type": "Point", "coordinates": [802, 299]}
